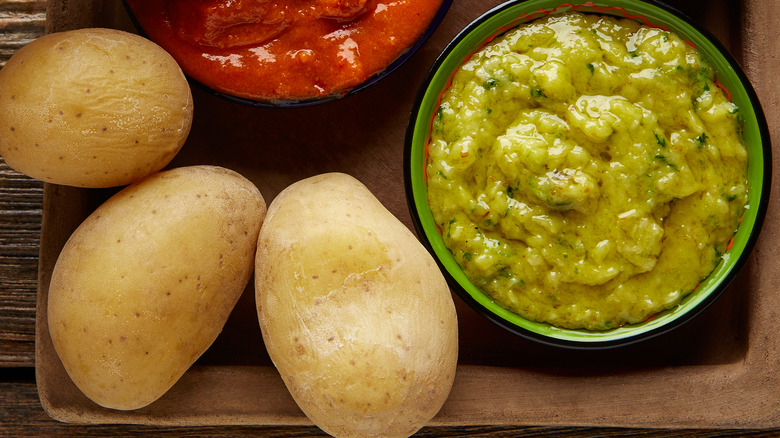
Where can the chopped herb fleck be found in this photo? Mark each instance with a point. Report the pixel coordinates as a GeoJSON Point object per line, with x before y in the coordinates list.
{"type": "Point", "coordinates": [537, 92]}
{"type": "Point", "coordinates": [437, 120]}
{"type": "Point", "coordinates": [449, 226]}
{"type": "Point", "coordinates": [701, 140]}
{"type": "Point", "coordinates": [660, 140]}
{"type": "Point", "coordinates": [663, 159]}
{"type": "Point", "coordinates": [591, 68]}
{"type": "Point", "coordinates": [490, 83]}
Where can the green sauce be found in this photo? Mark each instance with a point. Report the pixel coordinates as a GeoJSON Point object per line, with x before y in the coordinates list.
{"type": "Point", "coordinates": [587, 171]}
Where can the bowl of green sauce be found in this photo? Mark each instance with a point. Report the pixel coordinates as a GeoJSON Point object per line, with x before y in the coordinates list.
{"type": "Point", "coordinates": [587, 174]}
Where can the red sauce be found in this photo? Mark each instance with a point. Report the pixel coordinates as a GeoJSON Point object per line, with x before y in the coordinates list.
{"type": "Point", "coordinates": [284, 49]}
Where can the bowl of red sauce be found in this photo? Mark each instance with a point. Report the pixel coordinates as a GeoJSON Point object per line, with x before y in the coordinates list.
{"type": "Point", "coordinates": [288, 53]}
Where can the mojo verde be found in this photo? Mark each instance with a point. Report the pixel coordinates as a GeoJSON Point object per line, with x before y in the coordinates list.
{"type": "Point", "coordinates": [586, 171]}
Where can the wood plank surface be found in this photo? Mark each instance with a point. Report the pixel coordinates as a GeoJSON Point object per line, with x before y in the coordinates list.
{"type": "Point", "coordinates": [21, 21]}
{"type": "Point", "coordinates": [21, 413]}
{"type": "Point", "coordinates": [21, 199]}
{"type": "Point", "coordinates": [22, 416]}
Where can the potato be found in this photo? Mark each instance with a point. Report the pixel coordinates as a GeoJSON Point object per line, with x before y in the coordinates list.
{"type": "Point", "coordinates": [92, 108]}
{"type": "Point", "coordinates": [145, 284]}
{"type": "Point", "coordinates": [354, 312]}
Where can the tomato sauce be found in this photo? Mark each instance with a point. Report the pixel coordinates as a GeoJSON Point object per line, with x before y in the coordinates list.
{"type": "Point", "coordinates": [276, 50]}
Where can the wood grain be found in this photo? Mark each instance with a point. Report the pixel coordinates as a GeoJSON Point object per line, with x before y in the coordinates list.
{"type": "Point", "coordinates": [21, 21]}
{"type": "Point", "coordinates": [20, 226]}
{"type": "Point", "coordinates": [21, 197]}
{"type": "Point", "coordinates": [22, 416]}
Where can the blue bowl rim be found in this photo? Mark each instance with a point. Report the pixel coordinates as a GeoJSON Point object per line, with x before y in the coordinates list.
{"type": "Point", "coordinates": [632, 339]}
{"type": "Point", "coordinates": [302, 103]}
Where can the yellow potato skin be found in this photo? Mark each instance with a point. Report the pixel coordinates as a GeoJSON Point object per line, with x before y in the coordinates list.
{"type": "Point", "coordinates": [145, 284]}
{"type": "Point", "coordinates": [354, 312]}
{"type": "Point", "coordinates": [92, 108]}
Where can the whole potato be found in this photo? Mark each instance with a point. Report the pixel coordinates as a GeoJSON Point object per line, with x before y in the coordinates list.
{"type": "Point", "coordinates": [92, 108]}
{"type": "Point", "coordinates": [354, 312]}
{"type": "Point", "coordinates": [145, 284]}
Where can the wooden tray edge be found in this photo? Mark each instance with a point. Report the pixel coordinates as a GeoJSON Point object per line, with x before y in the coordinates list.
{"type": "Point", "coordinates": [731, 407]}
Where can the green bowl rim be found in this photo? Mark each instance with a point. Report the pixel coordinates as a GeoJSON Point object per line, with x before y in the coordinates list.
{"type": "Point", "coordinates": [526, 10]}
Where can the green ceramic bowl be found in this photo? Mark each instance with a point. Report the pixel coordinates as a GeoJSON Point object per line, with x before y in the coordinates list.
{"type": "Point", "coordinates": [728, 74]}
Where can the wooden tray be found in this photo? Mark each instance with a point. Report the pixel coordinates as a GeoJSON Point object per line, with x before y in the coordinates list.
{"type": "Point", "coordinates": [718, 371]}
